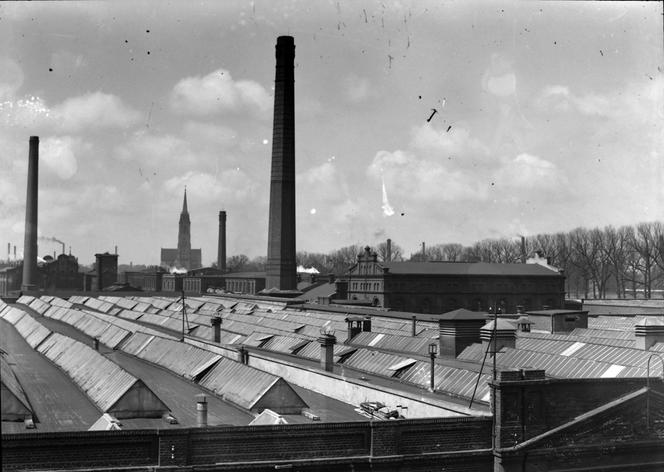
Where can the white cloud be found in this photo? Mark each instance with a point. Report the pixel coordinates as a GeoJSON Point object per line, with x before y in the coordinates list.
{"type": "Point", "coordinates": [230, 186]}
{"type": "Point", "coordinates": [208, 133]}
{"type": "Point", "coordinates": [94, 110]}
{"type": "Point", "coordinates": [218, 92]}
{"type": "Point", "coordinates": [412, 178]}
{"type": "Point", "coordinates": [58, 154]}
{"type": "Point", "coordinates": [456, 142]}
{"type": "Point", "coordinates": [528, 172]}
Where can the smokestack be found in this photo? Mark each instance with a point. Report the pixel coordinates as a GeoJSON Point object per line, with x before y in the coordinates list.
{"type": "Point", "coordinates": [9, 251]}
{"type": "Point", "coordinates": [14, 251]}
{"type": "Point", "coordinates": [281, 268]}
{"type": "Point", "coordinates": [30, 242]}
{"type": "Point", "coordinates": [424, 252]}
{"type": "Point", "coordinates": [523, 249]}
{"type": "Point", "coordinates": [388, 256]}
{"type": "Point", "coordinates": [116, 249]}
{"type": "Point", "coordinates": [221, 248]}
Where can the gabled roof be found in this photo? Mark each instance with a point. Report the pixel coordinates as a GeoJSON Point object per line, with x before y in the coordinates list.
{"type": "Point", "coordinates": [469, 268]}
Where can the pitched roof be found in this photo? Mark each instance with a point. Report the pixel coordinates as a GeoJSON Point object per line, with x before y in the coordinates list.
{"type": "Point", "coordinates": [468, 268]}
{"type": "Point", "coordinates": [463, 314]}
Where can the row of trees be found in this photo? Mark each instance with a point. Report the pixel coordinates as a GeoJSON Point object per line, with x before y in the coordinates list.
{"type": "Point", "coordinates": [599, 263]}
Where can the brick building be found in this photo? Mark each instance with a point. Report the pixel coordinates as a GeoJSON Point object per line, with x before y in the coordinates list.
{"type": "Point", "coordinates": [437, 287]}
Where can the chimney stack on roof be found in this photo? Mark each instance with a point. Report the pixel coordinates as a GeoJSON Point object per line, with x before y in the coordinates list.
{"type": "Point", "coordinates": [30, 242]}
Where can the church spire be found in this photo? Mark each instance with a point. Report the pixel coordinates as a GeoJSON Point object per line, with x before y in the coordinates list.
{"type": "Point", "coordinates": [184, 203]}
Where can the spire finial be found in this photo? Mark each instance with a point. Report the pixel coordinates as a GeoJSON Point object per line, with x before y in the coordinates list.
{"type": "Point", "coordinates": [184, 204]}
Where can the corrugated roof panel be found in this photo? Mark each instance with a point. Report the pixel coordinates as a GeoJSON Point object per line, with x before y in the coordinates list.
{"type": "Point", "coordinates": [181, 358]}
{"type": "Point", "coordinates": [375, 340]}
{"type": "Point", "coordinates": [32, 331]}
{"type": "Point", "coordinates": [283, 344]}
{"type": "Point", "coordinates": [613, 371]}
{"type": "Point", "coordinates": [78, 299]}
{"type": "Point", "coordinates": [402, 364]}
{"type": "Point", "coordinates": [136, 343]}
{"type": "Point", "coordinates": [572, 349]}
{"type": "Point", "coordinates": [39, 306]}
{"type": "Point", "coordinates": [373, 361]}
{"type": "Point", "coordinates": [238, 383]}
{"type": "Point", "coordinates": [102, 380]}
{"type": "Point", "coordinates": [13, 314]}
{"type": "Point", "coordinates": [61, 302]}
{"type": "Point", "coordinates": [20, 408]}
{"type": "Point", "coordinates": [130, 314]}
{"type": "Point", "coordinates": [25, 299]}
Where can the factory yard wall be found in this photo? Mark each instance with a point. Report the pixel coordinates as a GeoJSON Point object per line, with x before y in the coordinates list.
{"type": "Point", "coordinates": [462, 443]}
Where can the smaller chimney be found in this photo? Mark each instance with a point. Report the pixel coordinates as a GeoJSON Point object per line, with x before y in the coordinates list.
{"type": "Point", "coordinates": [424, 252]}
{"type": "Point", "coordinates": [505, 335]}
{"type": "Point", "coordinates": [414, 326]}
{"type": "Point", "coordinates": [9, 250]}
{"type": "Point", "coordinates": [116, 250]}
{"type": "Point", "coordinates": [201, 411]}
{"type": "Point", "coordinates": [327, 342]}
{"type": "Point", "coordinates": [243, 355]}
{"type": "Point", "coordinates": [648, 332]}
{"type": "Point", "coordinates": [216, 329]}
{"type": "Point", "coordinates": [388, 255]}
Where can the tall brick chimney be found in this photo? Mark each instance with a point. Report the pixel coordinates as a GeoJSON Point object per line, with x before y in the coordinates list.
{"type": "Point", "coordinates": [281, 268]}
{"type": "Point", "coordinates": [221, 247]}
{"type": "Point", "coordinates": [388, 250]}
{"type": "Point", "coordinates": [30, 242]}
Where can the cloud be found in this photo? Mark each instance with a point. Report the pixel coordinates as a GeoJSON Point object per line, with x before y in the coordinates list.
{"type": "Point", "coordinates": [58, 155]}
{"type": "Point", "coordinates": [93, 111]}
{"type": "Point", "coordinates": [456, 142]}
{"type": "Point", "coordinates": [200, 133]}
{"type": "Point", "coordinates": [527, 171]}
{"type": "Point", "coordinates": [230, 186]}
{"type": "Point", "coordinates": [217, 92]}
{"type": "Point", "coordinates": [415, 179]}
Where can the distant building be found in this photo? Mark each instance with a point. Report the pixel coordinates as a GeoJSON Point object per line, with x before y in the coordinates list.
{"type": "Point", "coordinates": [437, 287]}
{"type": "Point", "coordinates": [184, 257]}
{"type": "Point", "coordinates": [10, 279]}
{"type": "Point", "coordinates": [61, 274]}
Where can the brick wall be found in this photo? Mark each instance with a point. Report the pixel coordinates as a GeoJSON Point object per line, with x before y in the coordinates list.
{"type": "Point", "coordinates": [462, 439]}
{"type": "Point", "coordinates": [79, 450]}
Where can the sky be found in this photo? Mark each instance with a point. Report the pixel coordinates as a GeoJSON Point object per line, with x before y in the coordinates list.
{"type": "Point", "coordinates": [548, 116]}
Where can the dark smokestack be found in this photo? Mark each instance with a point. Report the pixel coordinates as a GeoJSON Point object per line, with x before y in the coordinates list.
{"type": "Point", "coordinates": [9, 251]}
{"type": "Point", "coordinates": [523, 250]}
{"type": "Point", "coordinates": [388, 256]}
{"type": "Point", "coordinates": [281, 268]}
{"type": "Point", "coordinates": [221, 248]}
{"type": "Point", "coordinates": [424, 252]}
{"type": "Point", "coordinates": [30, 242]}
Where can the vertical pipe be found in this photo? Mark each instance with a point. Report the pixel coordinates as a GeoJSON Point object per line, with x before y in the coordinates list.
{"type": "Point", "coordinates": [30, 242]}
{"type": "Point", "coordinates": [201, 411]}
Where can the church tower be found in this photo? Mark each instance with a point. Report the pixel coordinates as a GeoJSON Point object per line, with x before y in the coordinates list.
{"type": "Point", "coordinates": [184, 236]}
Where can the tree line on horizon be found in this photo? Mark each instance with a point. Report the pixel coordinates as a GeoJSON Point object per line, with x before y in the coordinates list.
{"type": "Point", "coordinates": [608, 262]}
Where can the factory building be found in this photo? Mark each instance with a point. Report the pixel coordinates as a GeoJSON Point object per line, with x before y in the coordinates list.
{"type": "Point", "coordinates": [438, 287]}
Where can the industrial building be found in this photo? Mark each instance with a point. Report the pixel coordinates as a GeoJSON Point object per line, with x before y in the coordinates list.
{"type": "Point", "coordinates": [437, 287]}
